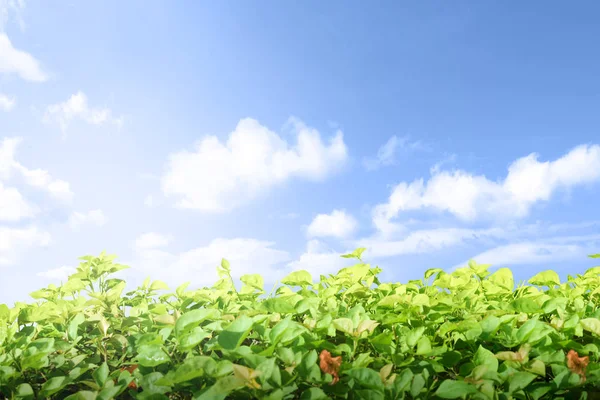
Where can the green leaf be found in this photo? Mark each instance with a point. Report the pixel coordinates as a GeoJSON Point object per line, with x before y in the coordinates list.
{"type": "Point", "coordinates": [414, 335]}
{"type": "Point", "coordinates": [54, 385]}
{"type": "Point", "coordinates": [450, 389]}
{"type": "Point", "coordinates": [24, 392]}
{"type": "Point", "coordinates": [594, 255]}
{"type": "Point", "coordinates": [490, 324]}
{"type": "Point", "coordinates": [74, 325]}
{"type": "Point", "coordinates": [545, 278]}
{"type": "Point", "coordinates": [192, 368]}
{"type": "Point", "coordinates": [418, 384]}
{"type": "Point", "coordinates": [519, 381]}
{"type": "Point", "coordinates": [298, 278]}
{"type": "Point", "coordinates": [82, 395]}
{"type": "Point", "coordinates": [423, 346]}
{"type": "Point", "coordinates": [148, 382]}
{"type": "Point", "coordinates": [344, 324]}
{"type": "Point", "coordinates": [432, 271]}
{"type": "Point", "coordinates": [420, 300]}
{"type": "Point", "coordinates": [4, 312]}
{"type": "Point", "coordinates": [151, 355]}
{"type": "Point", "coordinates": [191, 339]}
{"type": "Point", "coordinates": [193, 318]}
{"type": "Point", "coordinates": [503, 277]}
{"type": "Point", "coordinates": [591, 325]}
{"type": "Point", "coordinates": [225, 265]}
{"type": "Point", "coordinates": [221, 389]}
{"type": "Point", "coordinates": [285, 331]}
{"type": "Point", "coordinates": [278, 305]}
{"type": "Point", "coordinates": [538, 390]}
{"type": "Point", "coordinates": [158, 285]}
{"type": "Point", "coordinates": [402, 382]}
{"type": "Point", "coordinates": [233, 336]}
{"type": "Point", "coordinates": [253, 280]}
{"type": "Point", "coordinates": [314, 393]}
{"type": "Point", "coordinates": [101, 374]}
{"type": "Point", "coordinates": [355, 254]}
{"type": "Point", "coordinates": [537, 367]}
{"type": "Point", "coordinates": [451, 358]}
{"type": "Point", "coordinates": [367, 378]}
{"type": "Point", "coordinates": [110, 393]}
{"type": "Point", "coordinates": [526, 305]}
{"type": "Point", "coordinates": [485, 357]}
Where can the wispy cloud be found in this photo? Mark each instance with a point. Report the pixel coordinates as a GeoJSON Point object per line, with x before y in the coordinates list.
{"type": "Point", "coordinates": [386, 155]}
{"type": "Point", "coordinates": [77, 108]}
{"type": "Point", "coordinates": [8, 7]}
{"type": "Point", "coordinates": [152, 240]}
{"type": "Point", "coordinates": [14, 61]}
{"type": "Point", "coordinates": [545, 251]}
{"type": "Point", "coordinates": [93, 217]}
{"type": "Point", "coordinates": [14, 241]}
{"type": "Point", "coordinates": [431, 240]}
{"type": "Point", "coordinates": [58, 274]}
{"type": "Point", "coordinates": [425, 241]}
{"type": "Point", "coordinates": [6, 103]}
{"type": "Point", "coordinates": [13, 205]}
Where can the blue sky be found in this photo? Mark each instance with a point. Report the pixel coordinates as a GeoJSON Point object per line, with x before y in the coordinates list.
{"type": "Point", "coordinates": [280, 136]}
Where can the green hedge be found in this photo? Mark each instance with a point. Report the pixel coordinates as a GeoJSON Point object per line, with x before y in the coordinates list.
{"type": "Point", "coordinates": [468, 334]}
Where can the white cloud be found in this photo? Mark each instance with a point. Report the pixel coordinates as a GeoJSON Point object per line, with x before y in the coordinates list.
{"type": "Point", "coordinates": [58, 274]}
{"type": "Point", "coordinates": [6, 103]}
{"type": "Point", "coordinates": [149, 201]}
{"type": "Point", "coordinates": [14, 241]}
{"type": "Point", "coordinates": [470, 197]}
{"type": "Point", "coordinates": [76, 107]}
{"type": "Point", "coordinates": [13, 207]}
{"type": "Point", "coordinates": [319, 260]}
{"type": "Point", "coordinates": [553, 250]}
{"type": "Point", "coordinates": [41, 179]}
{"type": "Point", "coordinates": [152, 240]}
{"type": "Point", "coordinates": [386, 155]}
{"type": "Point", "coordinates": [338, 224]}
{"type": "Point", "coordinates": [217, 177]}
{"type": "Point", "coordinates": [93, 217]}
{"type": "Point", "coordinates": [11, 6]}
{"type": "Point", "coordinates": [425, 241]}
{"type": "Point", "coordinates": [38, 178]}
{"type": "Point", "coordinates": [446, 160]}
{"type": "Point", "coordinates": [13, 61]}
{"type": "Point", "coordinates": [199, 265]}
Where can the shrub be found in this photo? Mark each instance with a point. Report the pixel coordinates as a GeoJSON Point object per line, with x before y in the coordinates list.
{"type": "Point", "coordinates": [466, 334]}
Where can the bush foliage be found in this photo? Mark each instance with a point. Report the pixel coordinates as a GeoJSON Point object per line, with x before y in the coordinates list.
{"type": "Point", "coordinates": [467, 334]}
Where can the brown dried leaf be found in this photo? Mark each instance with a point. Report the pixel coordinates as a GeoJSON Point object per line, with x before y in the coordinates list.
{"type": "Point", "coordinates": [330, 365]}
{"type": "Point", "coordinates": [577, 364]}
{"type": "Point", "coordinates": [130, 369]}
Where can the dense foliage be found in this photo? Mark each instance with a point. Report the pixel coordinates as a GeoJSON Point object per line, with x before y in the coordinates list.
{"type": "Point", "coordinates": [468, 334]}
